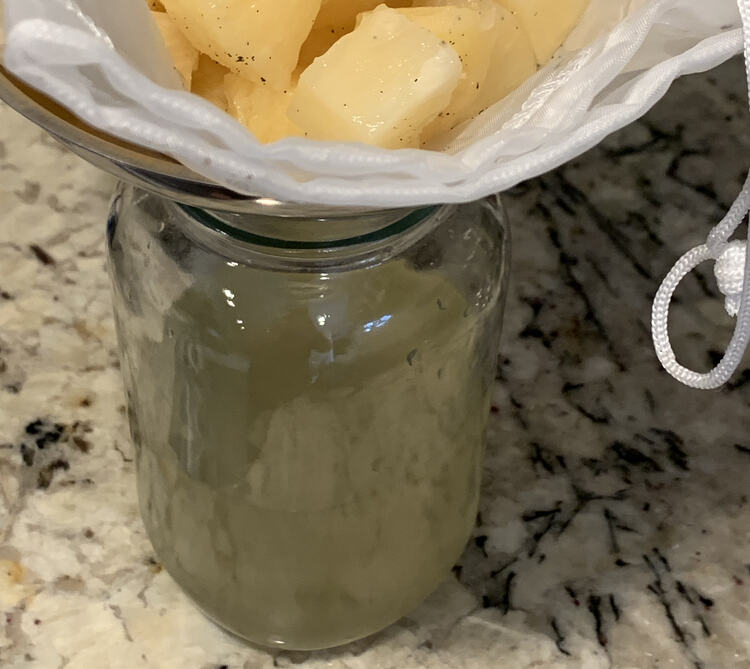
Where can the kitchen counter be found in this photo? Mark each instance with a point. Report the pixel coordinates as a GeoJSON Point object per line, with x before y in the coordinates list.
{"type": "Point", "coordinates": [615, 525]}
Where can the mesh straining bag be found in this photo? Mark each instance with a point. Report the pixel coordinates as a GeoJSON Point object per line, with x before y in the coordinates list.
{"type": "Point", "coordinates": [100, 59]}
{"type": "Point", "coordinates": [105, 61]}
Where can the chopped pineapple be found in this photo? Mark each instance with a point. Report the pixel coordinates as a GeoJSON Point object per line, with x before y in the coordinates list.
{"type": "Point", "coordinates": [485, 7]}
{"type": "Point", "coordinates": [335, 19]}
{"type": "Point", "coordinates": [473, 37]}
{"type": "Point", "coordinates": [392, 75]}
{"type": "Point", "coordinates": [260, 108]}
{"type": "Point", "coordinates": [547, 22]}
{"type": "Point", "coordinates": [512, 62]}
{"type": "Point", "coordinates": [380, 84]}
{"type": "Point", "coordinates": [184, 55]}
{"type": "Point", "coordinates": [208, 82]}
{"type": "Point", "coordinates": [259, 40]}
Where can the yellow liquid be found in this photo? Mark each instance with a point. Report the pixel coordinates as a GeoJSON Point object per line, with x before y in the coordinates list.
{"type": "Point", "coordinates": [310, 452]}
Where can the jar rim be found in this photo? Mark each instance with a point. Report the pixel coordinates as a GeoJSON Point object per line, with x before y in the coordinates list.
{"type": "Point", "coordinates": [373, 228]}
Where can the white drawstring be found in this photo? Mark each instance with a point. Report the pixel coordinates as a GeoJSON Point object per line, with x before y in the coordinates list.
{"type": "Point", "coordinates": [732, 270]}
{"type": "Point", "coordinates": [729, 271]}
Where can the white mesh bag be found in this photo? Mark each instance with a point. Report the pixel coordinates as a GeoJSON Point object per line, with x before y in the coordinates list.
{"type": "Point", "coordinates": [95, 57]}
{"type": "Point", "coordinates": [100, 59]}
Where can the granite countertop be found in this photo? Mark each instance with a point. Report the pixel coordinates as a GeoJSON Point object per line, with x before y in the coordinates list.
{"type": "Point", "coordinates": [614, 527]}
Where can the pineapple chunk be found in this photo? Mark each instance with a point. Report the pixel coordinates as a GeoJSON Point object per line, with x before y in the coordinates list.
{"type": "Point", "coordinates": [184, 55]}
{"type": "Point", "coordinates": [547, 22]}
{"type": "Point", "coordinates": [208, 82]}
{"type": "Point", "coordinates": [473, 37]}
{"type": "Point", "coordinates": [335, 19]}
{"type": "Point", "coordinates": [380, 84]}
{"type": "Point", "coordinates": [486, 8]}
{"type": "Point", "coordinates": [512, 62]}
{"type": "Point", "coordinates": [261, 109]}
{"type": "Point", "coordinates": [259, 40]}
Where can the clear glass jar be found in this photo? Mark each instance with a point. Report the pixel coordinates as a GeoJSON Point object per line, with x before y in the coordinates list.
{"type": "Point", "coordinates": [308, 399]}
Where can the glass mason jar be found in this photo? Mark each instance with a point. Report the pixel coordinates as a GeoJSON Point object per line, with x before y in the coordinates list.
{"type": "Point", "coordinates": [308, 399]}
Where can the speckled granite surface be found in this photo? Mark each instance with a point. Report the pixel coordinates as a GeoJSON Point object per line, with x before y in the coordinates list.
{"type": "Point", "coordinates": [615, 524]}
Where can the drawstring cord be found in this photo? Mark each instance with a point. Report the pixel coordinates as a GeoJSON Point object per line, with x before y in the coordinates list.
{"type": "Point", "coordinates": [732, 271]}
